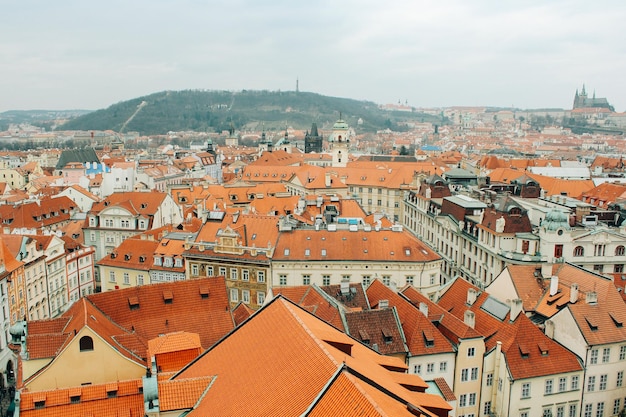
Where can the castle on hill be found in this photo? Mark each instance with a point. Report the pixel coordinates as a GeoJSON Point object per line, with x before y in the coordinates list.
{"type": "Point", "coordinates": [582, 101]}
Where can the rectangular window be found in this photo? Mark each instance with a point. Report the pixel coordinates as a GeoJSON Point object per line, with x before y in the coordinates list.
{"type": "Point", "coordinates": [209, 271]}
{"type": "Point", "coordinates": [591, 383]}
{"type": "Point", "coordinates": [562, 384]}
{"type": "Point", "coordinates": [622, 353]}
{"type": "Point", "coordinates": [560, 411]}
{"type": "Point", "coordinates": [367, 279]}
{"type": "Point", "coordinates": [548, 388]}
{"type": "Point", "coordinates": [463, 400]}
{"type": "Point", "coordinates": [234, 274]}
{"type": "Point", "coordinates": [574, 382]}
{"type": "Point", "coordinates": [474, 375]}
{"type": "Point", "coordinates": [245, 275]}
{"type": "Point", "coordinates": [430, 368]}
{"type": "Point", "coordinates": [260, 297]}
{"type": "Point", "coordinates": [572, 410]}
{"type": "Point", "coordinates": [526, 390]}
{"type": "Point", "coordinates": [606, 354]}
{"type": "Point", "coordinates": [616, 406]}
{"type": "Point", "coordinates": [588, 410]}
{"type": "Point", "coordinates": [325, 279]}
{"type": "Point", "coordinates": [260, 276]}
{"type": "Point", "coordinates": [471, 352]}
{"type": "Point", "coordinates": [489, 380]}
{"type": "Point", "coordinates": [409, 279]}
{"type": "Point", "coordinates": [126, 278]}
{"type": "Point", "coordinates": [222, 271]}
{"type": "Point", "coordinates": [140, 279]}
{"type": "Point", "coordinates": [487, 408]}
{"type": "Point", "coordinates": [234, 295]}
{"type": "Point", "coordinates": [245, 296]}
{"type": "Point", "coordinates": [464, 374]}
{"type": "Point", "coordinates": [306, 279]}
{"type": "Point", "coordinates": [603, 379]}
{"type": "Point", "coordinates": [387, 279]}
{"type": "Point", "coordinates": [600, 409]}
{"type": "Point", "coordinates": [194, 270]}
{"type": "Point", "coordinates": [417, 369]}
{"type": "Point", "coordinates": [112, 276]}
{"type": "Point", "coordinates": [594, 357]}
{"type": "Point", "coordinates": [620, 379]}
{"type": "Point", "coordinates": [472, 399]}
{"type": "Point", "coordinates": [282, 279]}
{"type": "Point", "coordinates": [443, 366]}
{"type": "Point", "coordinates": [523, 414]}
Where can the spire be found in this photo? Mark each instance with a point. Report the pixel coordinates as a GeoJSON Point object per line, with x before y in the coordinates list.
{"type": "Point", "coordinates": [314, 130]}
{"type": "Point", "coordinates": [583, 93]}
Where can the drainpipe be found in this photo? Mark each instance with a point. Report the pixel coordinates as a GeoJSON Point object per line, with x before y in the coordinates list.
{"type": "Point", "coordinates": [496, 375]}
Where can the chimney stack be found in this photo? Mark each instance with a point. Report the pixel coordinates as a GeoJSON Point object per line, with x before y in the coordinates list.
{"type": "Point", "coordinates": [516, 308]}
{"type": "Point", "coordinates": [327, 180]}
{"type": "Point", "coordinates": [469, 318]}
{"type": "Point", "coordinates": [573, 293]}
{"type": "Point", "coordinates": [546, 269]}
{"type": "Point", "coordinates": [550, 329]}
{"type": "Point", "coordinates": [471, 296]}
{"type": "Point", "coordinates": [554, 285]}
{"type": "Point", "coordinates": [424, 309]}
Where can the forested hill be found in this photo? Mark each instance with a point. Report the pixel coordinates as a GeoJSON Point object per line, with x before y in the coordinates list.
{"type": "Point", "coordinates": [214, 111]}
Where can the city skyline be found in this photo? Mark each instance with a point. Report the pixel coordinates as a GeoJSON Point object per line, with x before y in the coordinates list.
{"type": "Point", "coordinates": [70, 55]}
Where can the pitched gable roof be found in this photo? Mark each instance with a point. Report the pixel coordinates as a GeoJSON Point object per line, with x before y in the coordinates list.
{"type": "Point", "coordinates": [260, 367]}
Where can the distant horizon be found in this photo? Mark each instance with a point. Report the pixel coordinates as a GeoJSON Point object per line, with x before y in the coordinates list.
{"type": "Point", "coordinates": [430, 53]}
{"type": "Point", "coordinates": [286, 91]}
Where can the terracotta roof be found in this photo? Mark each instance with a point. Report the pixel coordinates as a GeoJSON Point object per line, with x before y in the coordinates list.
{"type": "Point", "coordinates": [137, 203]}
{"type": "Point", "coordinates": [414, 323]}
{"type": "Point", "coordinates": [189, 310]}
{"type": "Point", "coordinates": [522, 341]}
{"type": "Point", "coordinates": [182, 394]}
{"type": "Point", "coordinates": [604, 194]}
{"type": "Point", "coordinates": [379, 329]}
{"type": "Point", "coordinates": [315, 301]}
{"type": "Point", "coordinates": [445, 389]}
{"type": "Point", "coordinates": [241, 313]}
{"type": "Point", "coordinates": [90, 400]}
{"type": "Point", "coordinates": [323, 245]}
{"type": "Point", "coordinates": [260, 366]}
{"type": "Point", "coordinates": [47, 212]}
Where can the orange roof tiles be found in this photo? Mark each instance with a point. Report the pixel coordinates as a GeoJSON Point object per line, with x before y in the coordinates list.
{"type": "Point", "coordinates": [91, 400]}
{"type": "Point", "coordinates": [260, 366]}
{"type": "Point", "coordinates": [527, 362]}
{"type": "Point", "coordinates": [413, 321]}
{"type": "Point", "coordinates": [182, 394]}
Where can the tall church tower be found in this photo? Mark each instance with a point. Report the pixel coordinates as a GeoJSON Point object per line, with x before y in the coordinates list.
{"type": "Point", "coordinates": [313, 140]}
{"type": "Point", "coordinates": [232, 139]}
{"type": "Point", "coordinates": [340, 140]}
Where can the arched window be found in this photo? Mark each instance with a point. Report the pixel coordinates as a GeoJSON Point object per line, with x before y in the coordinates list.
{"type": "Point", "coordinates": [86, 343]}
{"type": "Point", "coordinates": [579, 251]}
{"type": "Point", "coordinates": [619, 251]}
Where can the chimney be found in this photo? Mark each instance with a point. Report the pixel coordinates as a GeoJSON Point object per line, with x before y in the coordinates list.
{"type": "Point", "coordinates": [471, 297]}
{"type": "Point", "coordinates": [516, 308]}
{"type": "Point", "coordinates": [546, 269]}
{"type": "Point", "coordinates": [550, 329]}
{"type": "Point", "coordinates": [591, 297]}
{"type": "Point", "coordinates": [469, 318]}
{"type": "Point", "coordinates": [327, 179]}
{"type": "Point", "coordinates": [554, 285]}
{"type": "Point", "coordinates": [573, 293]}
{"type": "Point", "coordinates": [424, 309]}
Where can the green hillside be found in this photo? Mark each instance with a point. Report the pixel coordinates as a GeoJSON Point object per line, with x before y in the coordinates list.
{"type": "Point", "coordinates": [214, 111]}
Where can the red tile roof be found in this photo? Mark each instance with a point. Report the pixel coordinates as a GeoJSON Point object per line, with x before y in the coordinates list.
{"type": "Point", "coordinates": [516, 337]}
{"type": "Point", "coordinates": [260, 366]}
{"type": "Point", "coordinates": [414, 323]}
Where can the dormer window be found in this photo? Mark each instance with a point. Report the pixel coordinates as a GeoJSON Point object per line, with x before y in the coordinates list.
{"type": "Point", "coordinates": [178, 263]}
{"type": "Point", "coordinates": [144, 205]}
{"type": "Point", "coordinates": [168, 262]}
{"type": "Point", "coordinates": [157, 260]}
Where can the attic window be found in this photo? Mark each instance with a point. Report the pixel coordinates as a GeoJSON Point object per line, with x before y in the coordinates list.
{"type": "Point", "coordinates": [40, 404]}
{"type": "Point", "coordinates": [144, 205]}
{"type": "Point", "coordinates": [286, 253]}
{"type": "Point", "coordinates": [113, 255]}
{"type": "Point", "coordinates": [387, 336]}
{"type": "Point", "coordinates": [523, 351]}
{"type": "Point", "coordinates": [344, 347]}
{"type": "Point", "coordinates": [429, 339]}
{"type": "Point", "coordinates": [85, 343]}
{"type": "Point", "coordinates": [365, 338]}
{"type": "Point", "coordinates": [204, 292]}
{"type": "Point", "coordinates": [75, 399]}
{"type": "Point", "coordinates": [543, 348]}
{"type": "Point", "coordinates": [168, 297]}
{"type": "Point", "coordinates": [112, 394]}
{"type": "Point", "coordinates": [616, 321]}
{"type": "Point", "coordinates": [407, 251]}
{"type": "Point", "coordinates": [133, 303]}
{"type": "Point", "coordinates": [142, 259]}
{"type": "Point", "coordinates": [591, 323]}
{"type": "Point", "coordinates": [127, 257]}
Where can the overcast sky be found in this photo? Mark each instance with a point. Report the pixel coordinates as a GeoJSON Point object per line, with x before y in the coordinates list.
{"type": "Point", "coordinates": [90, 54]}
